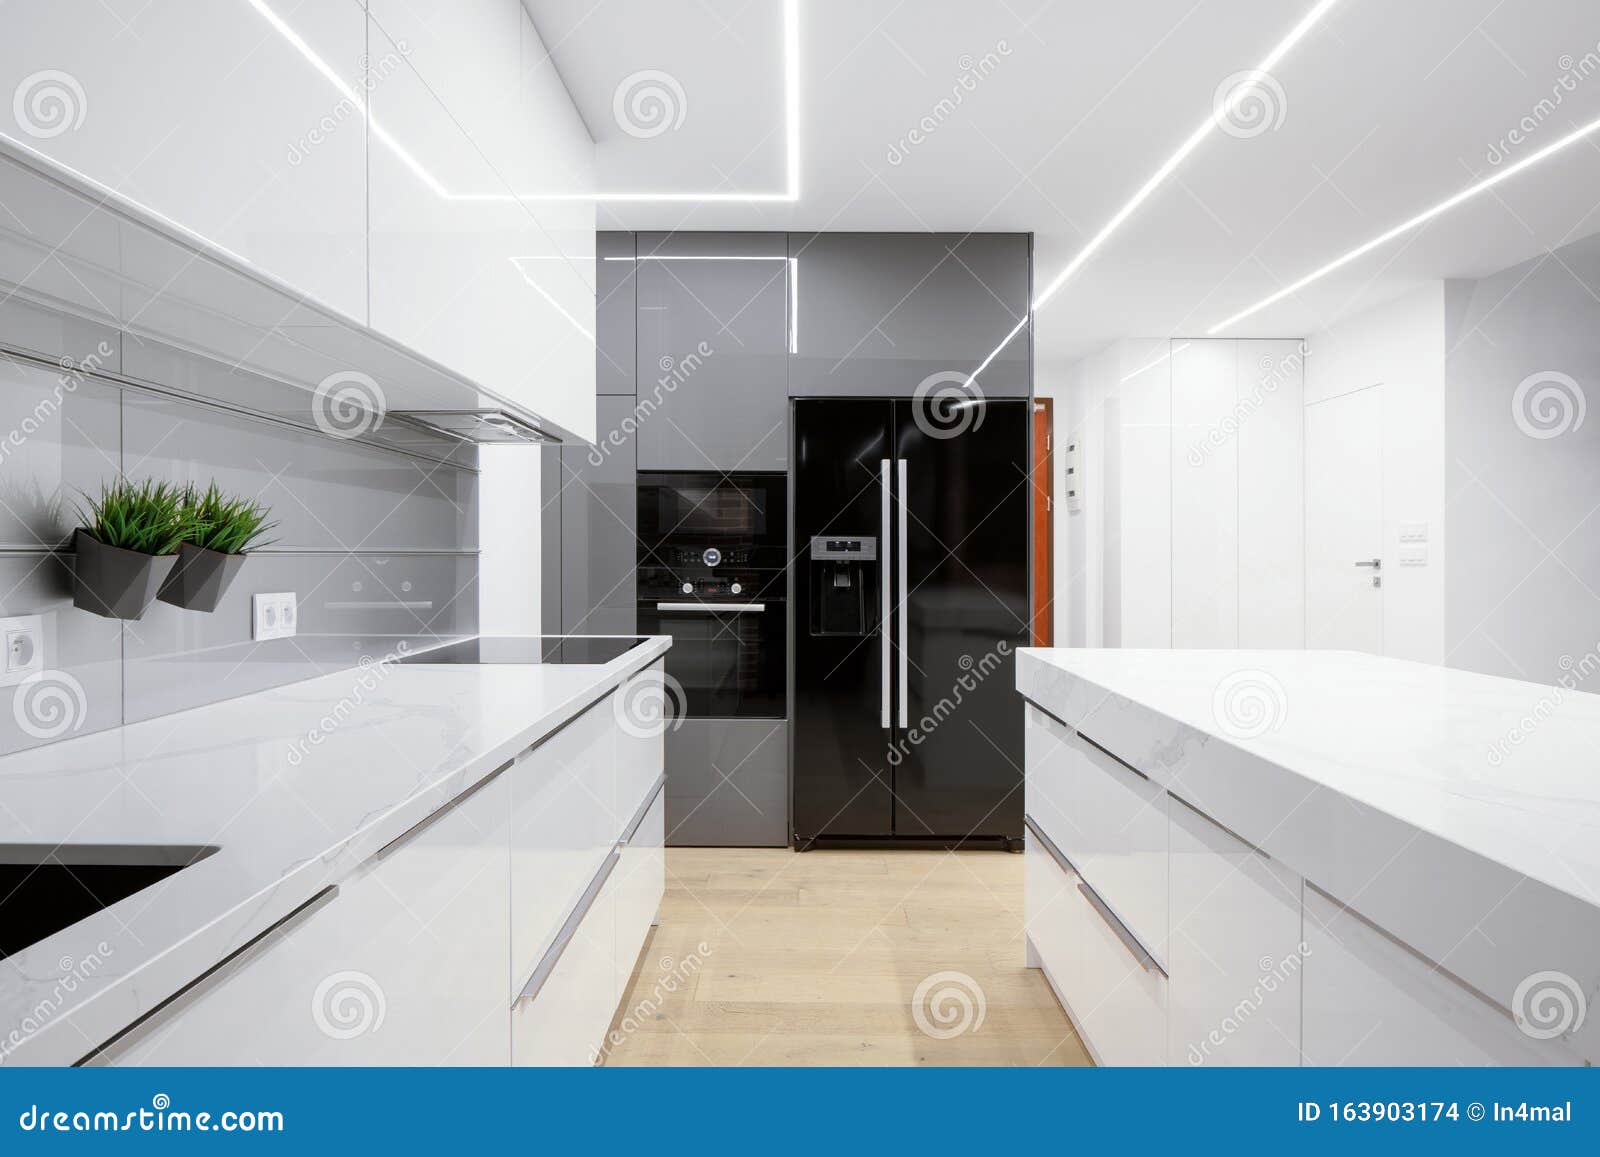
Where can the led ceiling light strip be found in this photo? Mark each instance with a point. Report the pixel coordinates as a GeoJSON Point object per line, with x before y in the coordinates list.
{"type": "Point", "coordinates": [1416, 222]}
{"type": "Point", "coordinates": [1219, 114]}
{"type": "Point", "coordinates": [791, 95]}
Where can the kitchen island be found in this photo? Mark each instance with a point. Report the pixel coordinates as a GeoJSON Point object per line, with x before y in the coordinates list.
{"type": "Point", "coordinates": [1321, 858]}
{"type": "Point", "coordinates": [402, 863]}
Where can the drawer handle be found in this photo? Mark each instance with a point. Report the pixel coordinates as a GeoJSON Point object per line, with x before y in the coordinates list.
{"type": "Point", "coordinates": [552, 956]}
{"type": "Point", "coordinates": [440, 812]}
{"type": "Point", "coordinates": [644, 809]}
{"type": "Point", "coordinates": [225, 965]}
{"type": "Point", "coordinates": [1129, 941]}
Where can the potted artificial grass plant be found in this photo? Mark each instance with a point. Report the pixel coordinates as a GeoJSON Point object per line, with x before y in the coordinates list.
{"type": "Point", "coordinates": [218, 530]}
{"type": "Point", "coordinates": [126, 547]}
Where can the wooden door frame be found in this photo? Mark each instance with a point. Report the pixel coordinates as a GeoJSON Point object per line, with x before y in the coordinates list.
{"type": "Point", "coordinates": [1042, 570]}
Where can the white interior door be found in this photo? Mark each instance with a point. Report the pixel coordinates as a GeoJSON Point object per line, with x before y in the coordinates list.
{"type": "Point", "coordinates": [1344, 522]}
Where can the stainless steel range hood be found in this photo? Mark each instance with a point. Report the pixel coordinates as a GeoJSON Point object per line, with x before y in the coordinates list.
{"type": "Point", "coordinates": [491, 427]}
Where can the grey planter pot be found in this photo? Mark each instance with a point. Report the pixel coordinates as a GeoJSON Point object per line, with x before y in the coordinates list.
{"type": "Point", "coordinates": [200, 579]}
{"type": "Point", "coordinates": [115, 583]}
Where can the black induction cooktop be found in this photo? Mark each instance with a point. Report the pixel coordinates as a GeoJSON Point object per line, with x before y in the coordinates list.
{"type": "Point", "coordinates": [586, 649]}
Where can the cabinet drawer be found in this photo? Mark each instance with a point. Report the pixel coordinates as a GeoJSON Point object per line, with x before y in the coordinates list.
{"type": "Point", "coordinates": [1234, 952]}
{"type": "Point", "coordinates": [563, 1020]}
{"type": "Point", "coordinates": [1371, 1001]}
{"type": "Point", "coordinates": [1047, 758]}
{"type": "Point", "coordinates": [639, 883]}
{"type": "Point", "coordinates": [405, 963]}
{"type": "Point", "coordinates": [563, 826]}
{"type": "Point", "coordinates": [641, 758]}
{"type": "Point", "coordinates": [1113, 989]}
{"type": "Point", "coordinates": [1117, 838]}
{"type": "Point", "coordinates": [1051, 907]}
{"type": "Point", "coordinates": [1121, 998]}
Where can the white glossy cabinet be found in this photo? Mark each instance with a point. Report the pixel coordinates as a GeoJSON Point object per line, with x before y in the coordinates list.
{"type": "Point", "coordinates": [638, 884]}
{"type": "Point", "coordinates": [257, 143]}
{"type": "Point", "coordinates": [565, 1020]}
{"type": "Point", "coordinates": [563, 826]}
{"type": "Point", "coordinates": [1048, 759]}
{"type": "Point", "coordinates": [1114, 991]}
{"type": "Point", "coordinates": [406, 964]}
{"type": "Point", "coordinates": [1234, 951]}
{"type": "Point", "coordinates": [462, 269]}
{"type": "Point", "coordinates": [641, 752]}
{"type": "Point", "coordinates": [1117, 839]}
{"type": "Point", "coordinates": [1369, 1000]}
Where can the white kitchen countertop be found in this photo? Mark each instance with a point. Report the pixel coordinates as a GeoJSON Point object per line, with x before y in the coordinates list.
{"type": "Point", "coordinates": [1459, 812]}
{"type": "Point", "coordinates": [289, 816]}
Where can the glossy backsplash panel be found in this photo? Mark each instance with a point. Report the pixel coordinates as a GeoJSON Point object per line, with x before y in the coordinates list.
{"type": "Point", "coordinates": [377, 544]}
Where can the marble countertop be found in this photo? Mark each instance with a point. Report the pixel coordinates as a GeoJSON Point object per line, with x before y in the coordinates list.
{"type": "Point", "coordinates": [296, 786]}
{"type": "Point", "coordinates": [1506, 770]}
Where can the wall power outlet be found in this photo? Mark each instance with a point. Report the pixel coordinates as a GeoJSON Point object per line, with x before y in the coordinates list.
{"type": "Point", "coordinates": [273, 616]}
{"type": "Point", "coordinates": [23, 639]}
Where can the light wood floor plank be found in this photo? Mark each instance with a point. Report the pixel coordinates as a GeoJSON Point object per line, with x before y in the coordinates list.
{"type": "Point", "coordinates": [766, 957]}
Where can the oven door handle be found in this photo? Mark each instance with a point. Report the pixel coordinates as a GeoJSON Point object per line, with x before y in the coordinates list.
{"type": "Point", "coordinates": [714, 608]}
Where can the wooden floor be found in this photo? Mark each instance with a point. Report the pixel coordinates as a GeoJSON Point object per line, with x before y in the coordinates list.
{"type": "Point", "coordinates": [765, 957]}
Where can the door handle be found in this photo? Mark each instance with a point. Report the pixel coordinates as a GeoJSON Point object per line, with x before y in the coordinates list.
{"type": "Point", "coordinates": [905, 559]}
{"type": "Point", "coordinates": [1374, 563]}
{"type": "Point", "coordinates": [883, 587]}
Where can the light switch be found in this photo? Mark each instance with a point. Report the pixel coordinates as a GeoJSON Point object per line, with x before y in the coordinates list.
{"type": "Point", "coordinates": [1413, 532]}
{"type": "Point", "coordinates": [1413, 556]}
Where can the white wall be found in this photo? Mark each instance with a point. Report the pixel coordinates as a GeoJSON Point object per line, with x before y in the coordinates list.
{"type": "Point", "coordinates": [1400, 348]}
{"type": "Point", "coordinates": [509, 559]}
{"type": "Point", "coordinates": [1523, 468]}
{"type": "Point", "coordinates": [1191, 528]}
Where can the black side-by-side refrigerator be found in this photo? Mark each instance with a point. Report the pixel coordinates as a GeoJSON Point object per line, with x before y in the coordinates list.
{"type": "Point", "coordinates": [910, 598]}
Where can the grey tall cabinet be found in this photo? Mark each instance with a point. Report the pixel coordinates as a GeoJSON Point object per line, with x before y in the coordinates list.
{"type": "Point", "coordinates": [598, 484]}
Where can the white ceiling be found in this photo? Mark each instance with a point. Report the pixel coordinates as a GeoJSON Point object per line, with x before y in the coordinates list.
{"type": "Point", "coordinates": [1388, 107]}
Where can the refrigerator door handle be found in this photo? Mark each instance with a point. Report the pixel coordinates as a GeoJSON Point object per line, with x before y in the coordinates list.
{"type": "Point", "coordinates": [885, 557]}
{"type": "Point", "coordinates": [904, 562]}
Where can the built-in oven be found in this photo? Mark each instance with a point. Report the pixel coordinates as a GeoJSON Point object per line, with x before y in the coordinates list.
{"type": "Point", "coordinates": [712, 555]}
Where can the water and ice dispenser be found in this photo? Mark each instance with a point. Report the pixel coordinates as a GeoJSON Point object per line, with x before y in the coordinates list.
{"type": "Point", "coordinates": [844, 585]}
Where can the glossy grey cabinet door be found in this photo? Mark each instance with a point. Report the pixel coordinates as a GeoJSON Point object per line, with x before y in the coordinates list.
{"type": "Point", "coordinates": [877, 314]}
{"type": "Point", "coordinates": [713, 351]}
{"type": "Point", "coordinates": [614, 314]}
{"type": "Point", "coordinates": [728, 783]}
{"type": "Point", "coordinates": [599, 510]}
